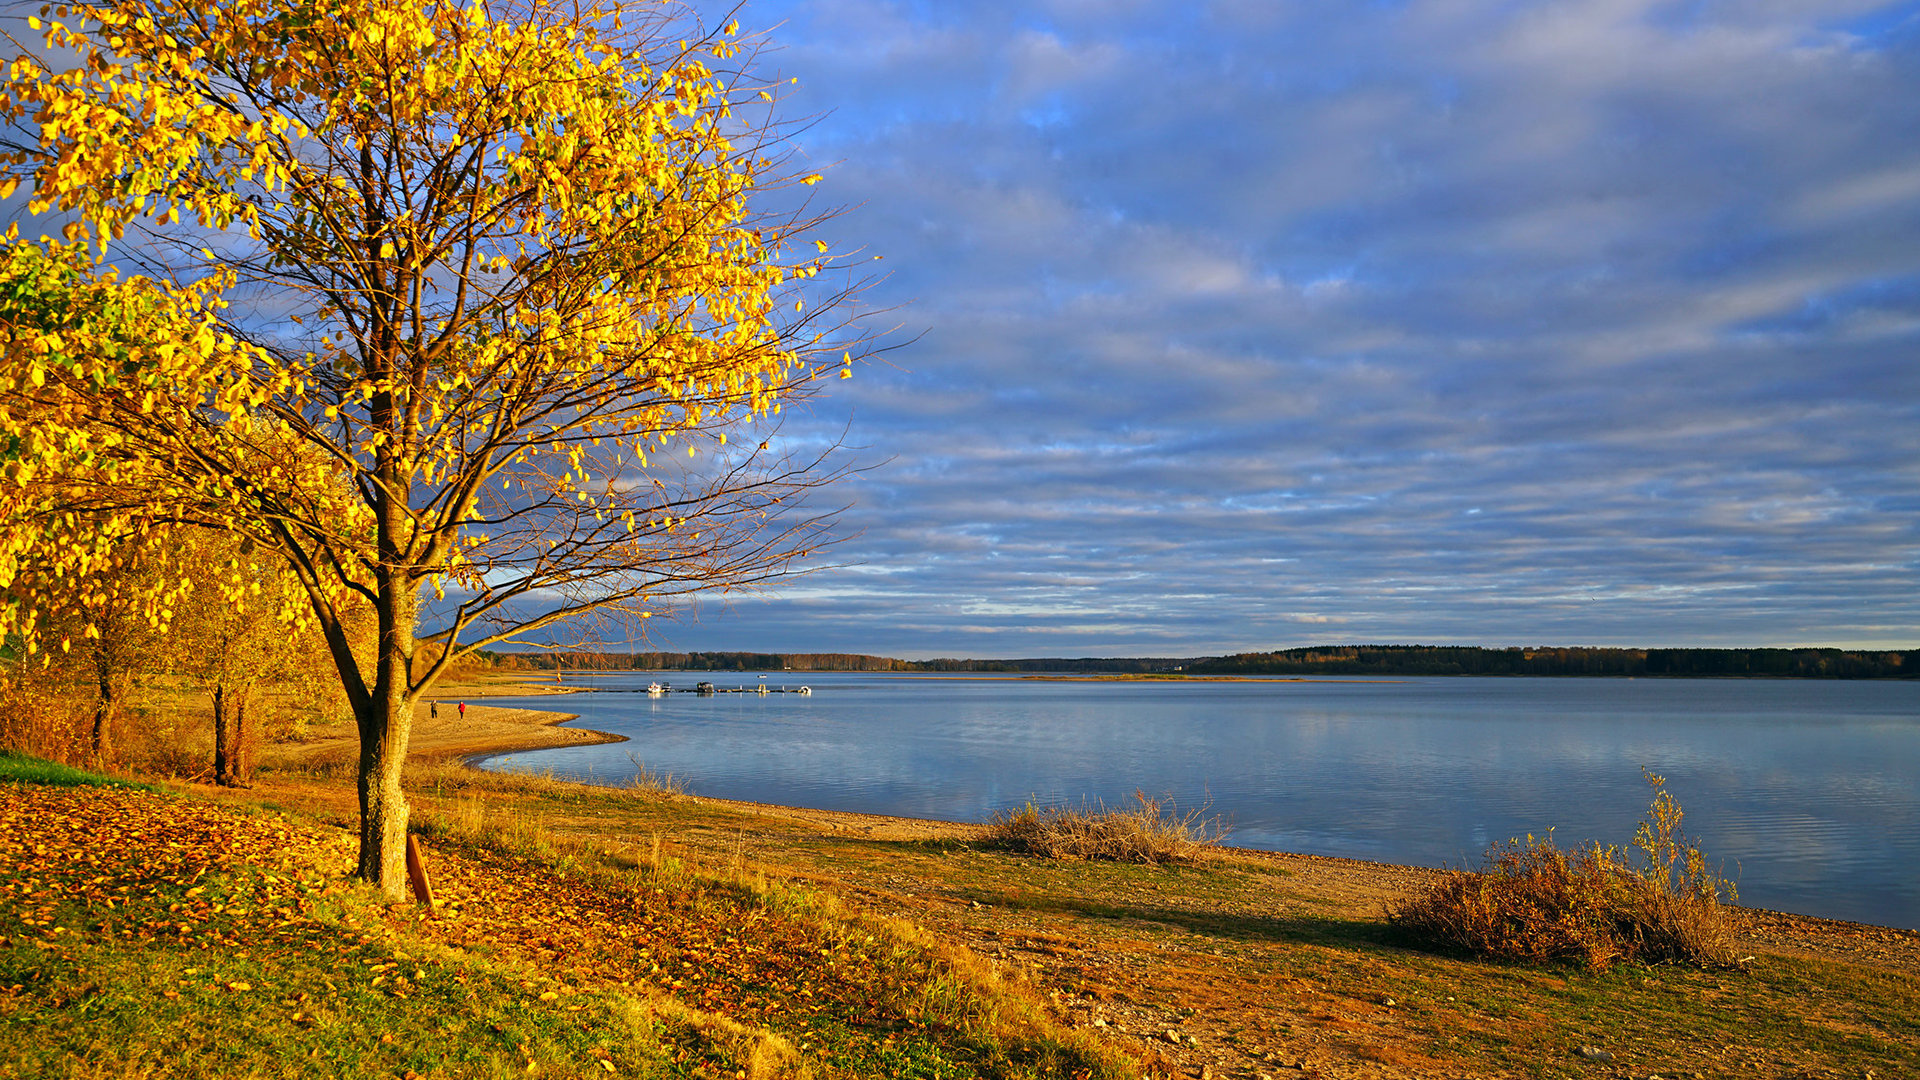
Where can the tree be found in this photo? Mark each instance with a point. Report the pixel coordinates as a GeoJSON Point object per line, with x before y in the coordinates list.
{"type": "Point", "coordinates": [232, 641]}
{"type": "Point", "coordinates": [470, 278]}
{"type": "Point", "coordinates": [106, 638]}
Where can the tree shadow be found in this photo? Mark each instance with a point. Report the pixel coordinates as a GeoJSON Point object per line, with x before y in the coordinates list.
{"type": "Point", "coordinates": [1233, 926]}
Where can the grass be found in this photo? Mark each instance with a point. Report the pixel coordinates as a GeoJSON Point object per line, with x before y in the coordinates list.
{"type": "Point", "coordinates": [20, 768]}
{"type": "Point", "coordinates": [215, 941]}
{"type": "Point", "coordinates": [1534, 902]}
{"type": "Point", "coordinates": [1151, 831]}
{"type": "Point", "coordinates": [1270, 970]}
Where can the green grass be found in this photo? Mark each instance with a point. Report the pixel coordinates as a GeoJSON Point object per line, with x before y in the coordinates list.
{"type": "Point", "coordinates": [175, 956]}
{"type": "Point", "coordinates": [87, 990]}
{"type": "Point", "coordinates": [128, 1011]}
{"type": "Point", "coordinates": [24, 769]}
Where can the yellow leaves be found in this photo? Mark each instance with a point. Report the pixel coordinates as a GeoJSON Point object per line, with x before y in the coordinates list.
{"type": "Point", "coordinates": [611, 214]}
{"type": "Point", "coordinates": [812, 179]}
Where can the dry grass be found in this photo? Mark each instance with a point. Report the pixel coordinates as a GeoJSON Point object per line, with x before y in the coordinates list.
{"type": "Point", "coordinates": [933, 982]}
{"type": "Point", "coordinates": [1534, 902]}
{"type": "Point", "coordinates": [1150, 831]}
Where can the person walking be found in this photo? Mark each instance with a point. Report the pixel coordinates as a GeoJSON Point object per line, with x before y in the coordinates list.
{"type": "Point", "coordinates": [463, 710]}
{"type": "Point", "coordinates": [433, 710]}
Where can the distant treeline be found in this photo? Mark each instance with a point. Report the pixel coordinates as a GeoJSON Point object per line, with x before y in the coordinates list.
{"type": "Point", "coordinates": [748, 661]}
{"type": "Point", "coordinates": [1316, 660]}
{"type": "Point", "coordinates": [1473, 660]}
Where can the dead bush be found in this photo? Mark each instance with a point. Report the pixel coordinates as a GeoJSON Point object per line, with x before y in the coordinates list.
{"type": "Point", "coordinates": [1534, 902]}
{"type": "Point", "coordinates": [1150, 831]}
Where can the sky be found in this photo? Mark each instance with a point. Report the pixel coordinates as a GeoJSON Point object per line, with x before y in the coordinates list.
{"type": "Point", "coordinates": [1232, 325]}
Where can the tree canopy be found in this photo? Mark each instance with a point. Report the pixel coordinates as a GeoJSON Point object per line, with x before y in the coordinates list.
{"type": "Point", "coordinates": [430, 300]}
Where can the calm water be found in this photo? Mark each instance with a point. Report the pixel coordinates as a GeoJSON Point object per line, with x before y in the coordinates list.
{"type": "Point", "coordinates": [1808, 791]}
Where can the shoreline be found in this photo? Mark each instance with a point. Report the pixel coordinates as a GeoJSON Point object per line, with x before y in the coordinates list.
{"type": "Point", "coordinates": [543, 732]}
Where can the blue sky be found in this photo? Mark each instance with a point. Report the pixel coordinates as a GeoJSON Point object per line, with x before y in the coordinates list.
{"type": "Point", "coordinates": [1257, 323]}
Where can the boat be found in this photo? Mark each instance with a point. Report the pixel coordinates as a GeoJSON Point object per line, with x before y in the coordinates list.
{"type": "Point", "coordinates": [805, 690]}
{"type": "Point", "coordinates": [656, 689]}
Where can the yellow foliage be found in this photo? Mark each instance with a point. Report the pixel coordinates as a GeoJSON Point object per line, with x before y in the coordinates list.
{"type": "Point", "coordinates": [495, 258]}
{"type": "Point", "coordinates": [495, 228]}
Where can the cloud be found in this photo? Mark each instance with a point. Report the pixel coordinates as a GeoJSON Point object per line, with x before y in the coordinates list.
{"type": "Point", "coordinates": [1579, 321]}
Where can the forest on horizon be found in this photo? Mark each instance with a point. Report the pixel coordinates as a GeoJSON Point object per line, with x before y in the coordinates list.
{"type": "Point", "coordinates": [1790, 663]}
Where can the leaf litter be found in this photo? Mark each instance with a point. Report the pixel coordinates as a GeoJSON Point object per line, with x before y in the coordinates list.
{"type": "Point", "coordinates": [83, 869]}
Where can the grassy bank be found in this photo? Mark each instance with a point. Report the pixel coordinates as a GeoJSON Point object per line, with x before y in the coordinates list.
{"type": "Point", "coordinates": [216, 940]}
{"type": "Point", "coordinates": [681, 937]}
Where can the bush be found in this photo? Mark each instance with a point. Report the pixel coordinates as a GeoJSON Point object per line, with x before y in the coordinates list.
{"type": "Point", "coordinates": [1534, 902]}
{"type": "Point", "coordinates": [1151, 831]}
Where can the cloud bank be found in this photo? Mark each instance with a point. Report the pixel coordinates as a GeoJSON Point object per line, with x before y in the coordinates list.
{"type": "Point", "coordinates": [1256, 323]}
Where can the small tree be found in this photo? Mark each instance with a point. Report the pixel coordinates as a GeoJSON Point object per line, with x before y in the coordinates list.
{"type": "Point", "coordinates": [234, 640]}
{"type": "Point", "coordinates": [105, 629]}
{"type": "Point", "coordinates": [495, 262]}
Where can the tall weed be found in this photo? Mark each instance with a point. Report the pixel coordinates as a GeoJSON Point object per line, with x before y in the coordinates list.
{"type": "Point", "coordinates": [1653, 901]}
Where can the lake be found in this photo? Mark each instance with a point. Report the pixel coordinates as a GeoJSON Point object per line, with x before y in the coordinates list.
{"type": "Point", "coordinates": [1807, 793]}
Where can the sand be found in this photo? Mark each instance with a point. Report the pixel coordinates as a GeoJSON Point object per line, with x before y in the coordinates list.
{"type": "Point", "coordinates": [485, 729]}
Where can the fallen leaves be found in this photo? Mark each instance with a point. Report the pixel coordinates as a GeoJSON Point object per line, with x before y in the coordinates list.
{"type": "Point", "coordinates": [90, 863]}
{"type": "Point", "coordinates": [124, 867]}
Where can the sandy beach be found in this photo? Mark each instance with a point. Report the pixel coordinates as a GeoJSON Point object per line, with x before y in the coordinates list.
{"type": "Point", "coordinates": [483, 730]}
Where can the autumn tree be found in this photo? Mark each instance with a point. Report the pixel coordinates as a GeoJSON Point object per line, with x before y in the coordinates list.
{"type": "Point", "coordinates": [496, 271]}
{"type": "Point", "coordinates": [110, 638]}
{"type": "Point", "coordinates": [232, 641]}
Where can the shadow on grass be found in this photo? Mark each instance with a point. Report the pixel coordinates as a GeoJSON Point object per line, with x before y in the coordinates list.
{"type": "Point", "coordinates": [1292, 929]}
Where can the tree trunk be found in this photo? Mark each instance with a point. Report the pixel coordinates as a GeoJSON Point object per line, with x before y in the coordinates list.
{"type": "Point", "coordinates": [245, 738]}
{"type": "Point", "coordinates": [103, 707]}
{"type": "Point", "coordinates": [385, 721]}
{"type": "Point", "coordinates": [222, 743]}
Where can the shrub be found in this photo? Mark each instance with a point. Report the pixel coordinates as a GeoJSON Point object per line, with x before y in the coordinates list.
{"type": "Point", "coordinates": [1534, 902]}
{"type": "Point", "coordinates": [1151, 831]}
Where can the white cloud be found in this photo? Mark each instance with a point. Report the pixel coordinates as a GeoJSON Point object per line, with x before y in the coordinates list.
{"type": "Point", "coordinates": [1451, 320]}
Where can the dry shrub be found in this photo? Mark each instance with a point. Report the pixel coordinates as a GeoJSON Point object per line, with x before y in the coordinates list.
{"type": "Point", "coordinates": [1150, 831]}
{"type": "Point", "coordinates": [1534, 902]}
